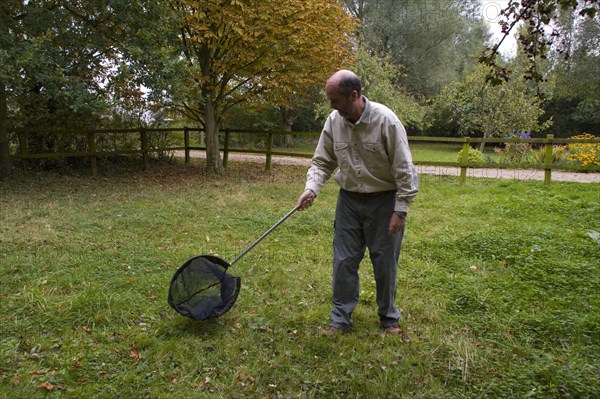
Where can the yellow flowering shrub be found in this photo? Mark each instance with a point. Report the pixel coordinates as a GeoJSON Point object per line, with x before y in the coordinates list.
{"type": "Point", "coordinates": [585, 154]}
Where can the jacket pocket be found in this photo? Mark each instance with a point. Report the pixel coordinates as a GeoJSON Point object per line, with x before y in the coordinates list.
{"type": "Point", "coordinates": [375, 155]}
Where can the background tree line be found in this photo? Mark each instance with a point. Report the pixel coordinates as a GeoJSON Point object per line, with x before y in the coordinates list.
{"type": "Point", "coordinates": [261, 64]}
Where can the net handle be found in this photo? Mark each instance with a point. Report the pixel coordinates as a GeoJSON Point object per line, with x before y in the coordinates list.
{"type": "Point", "coordinates": [283, 219]}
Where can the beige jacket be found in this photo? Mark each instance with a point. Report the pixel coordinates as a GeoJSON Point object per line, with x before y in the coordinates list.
{"type": "Point", "coordinates": [372, 155]}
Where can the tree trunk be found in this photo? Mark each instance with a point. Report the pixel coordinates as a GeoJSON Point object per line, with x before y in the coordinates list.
{"type": "Point", "coordinates": [485, 136]}
{"type": "Point", "coordinates": [286, 125]}
{"type": "Point", "coordinates": [5, 161]}
{"type": "Point", "coordinates": [211, 129]}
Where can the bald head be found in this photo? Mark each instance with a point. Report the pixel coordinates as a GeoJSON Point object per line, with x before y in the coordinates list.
{"type": "Point", "coordinates": [343, 90]}
{"type": "Point", "coordinates": [345, 82]}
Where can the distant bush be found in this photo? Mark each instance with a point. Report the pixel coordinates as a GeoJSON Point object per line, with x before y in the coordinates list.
{"type": "Point", "coordinates": [475, 156]}
{"type": "Point", "coordinates": [514, 153]}
{"type": "Point", "coordinates": [559, 154]}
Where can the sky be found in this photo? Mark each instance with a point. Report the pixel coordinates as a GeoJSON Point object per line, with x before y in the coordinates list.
{"type": "Point", "coordinates": [490, 12]}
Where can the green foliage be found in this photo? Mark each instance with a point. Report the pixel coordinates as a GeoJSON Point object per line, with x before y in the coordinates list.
{"type": "Point", "coordinates": [491, 111]}
{"type": "Point", "coordinates": [484, 274]}
{"type": "Point", "coordinates": [473, 156]}
{"type": "Point", "coordinates": [430, 43]}
{"type": "Point", "coordinates": [559, 154]}
{"type": "Point", "coordinates": [64, 58]}
{"type": "Point", "coordinates": [380, 81]}
{"type": "Point", "coordinates": [380, 77]}
{"type": "Point", "coordinates": [515, 153]}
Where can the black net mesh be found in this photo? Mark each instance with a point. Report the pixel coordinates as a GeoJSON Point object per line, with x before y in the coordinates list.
{"type": "Point", "coordinates": [202, 288]}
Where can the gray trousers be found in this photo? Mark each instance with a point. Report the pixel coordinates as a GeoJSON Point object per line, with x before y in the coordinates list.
{"type": "Point", "coordinates": [362, 222]}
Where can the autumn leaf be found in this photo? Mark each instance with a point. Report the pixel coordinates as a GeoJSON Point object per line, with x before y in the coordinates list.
{"type": "Point", "coordinates": [76, 365]}
{"type": "Point", "coordinates": [203, 383]}
{"type": "Point", "coordinates": [133, 353]}
{"type": "Point", "coordinates": [49, 387]}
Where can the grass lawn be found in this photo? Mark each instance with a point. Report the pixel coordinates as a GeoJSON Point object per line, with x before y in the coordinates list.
{"type": "Point", "coordinates": [438, 152]}
{"type": "Point", "coordinates": [421, 151]}
{"type": "Point", "coordinates": [498, 285]}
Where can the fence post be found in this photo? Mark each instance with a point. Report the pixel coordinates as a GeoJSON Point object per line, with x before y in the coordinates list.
{"type": "Point", "coordinates": [186, 144]}
{"type": "Point", "coordinates": [269, 150]}
{"type": "Point", "coordinates": [92, 150]}
{"type": "Point", "coordinates": [24, 151]}
{"type": "Point", "coordinates": [548, 160]}
{"type": "Point", "coordinates": [226, 149]}
{"type": "Point", "coordinates": [144, 139]}
{"type": "Point", "coordinates": [464, 159]}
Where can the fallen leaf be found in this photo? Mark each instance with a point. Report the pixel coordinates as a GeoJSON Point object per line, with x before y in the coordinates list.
{"type": "Point", "coordinates": [49, 387]}
{"type": "Point", "coordinates": [203, 383]}
{"type": "Point", "coordinates": [76, 365]}
{"type": "Point", "coordinates": [133, 353]}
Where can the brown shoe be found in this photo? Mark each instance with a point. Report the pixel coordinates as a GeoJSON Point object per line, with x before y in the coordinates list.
{"type": "Point", "coordinates": [331, 330]}
{"type": "Point", "coordinates": [396, 330]}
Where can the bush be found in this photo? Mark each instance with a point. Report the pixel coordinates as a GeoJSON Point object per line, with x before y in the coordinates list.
{"type": "Point", "coordinates": [514, 153]}
{"type": "Point", "coordinates": [475, 156]}
{"type": "Point", "coordinates": [559, 154]}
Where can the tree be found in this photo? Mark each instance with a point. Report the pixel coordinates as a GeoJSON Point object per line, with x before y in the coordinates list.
{"type": "Point", "coordinates": [492, 111]}
{"type": "Point", "coordinates": [430, 42]}
{"type": "Point", "coordinates": [60, 62]}
{"type": "Point", "coordinates": [256, 52]}
{"type": "Point", "coordinates": [541, 32]}
{"type": "Point", "coordinates": [575, 103]}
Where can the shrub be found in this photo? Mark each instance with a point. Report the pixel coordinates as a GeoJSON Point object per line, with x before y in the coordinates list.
{"type": "Point", "coordinates": [514, 153]}
{"type": "Point", "coordinates": [559, 154]}
{"type": "Point", "coordinates": [475, 156]}
{"type": "Point", "coordinates": [585, 154]}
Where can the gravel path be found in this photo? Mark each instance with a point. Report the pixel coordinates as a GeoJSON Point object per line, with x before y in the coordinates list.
{"type": "Point", "coordinates": [516, 174]}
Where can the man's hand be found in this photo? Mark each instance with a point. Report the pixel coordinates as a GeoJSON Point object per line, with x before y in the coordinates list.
{"type": "Point", "coordinates": [306, 199]}
{"type": "Point", "coordinates": [397, 223]}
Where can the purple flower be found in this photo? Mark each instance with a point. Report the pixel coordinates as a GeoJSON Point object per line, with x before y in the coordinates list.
{"type": "Point", "coordinates": [525, 135]}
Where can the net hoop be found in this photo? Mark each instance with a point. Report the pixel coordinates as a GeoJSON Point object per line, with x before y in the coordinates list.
{"type": "Point", "coordinates": [202, 289]}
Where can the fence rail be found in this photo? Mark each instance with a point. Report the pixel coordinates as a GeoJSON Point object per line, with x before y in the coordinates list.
{"type": "Point", "coordinates": [22, 150]}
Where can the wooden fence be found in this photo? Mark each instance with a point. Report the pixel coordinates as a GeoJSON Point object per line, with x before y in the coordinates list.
{"type": "Point", "coordinates": [23, 153]}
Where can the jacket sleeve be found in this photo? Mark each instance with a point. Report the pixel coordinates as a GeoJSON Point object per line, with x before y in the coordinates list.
{"type": "Point", "coordinates": [324, 162]}
{"type": "Point", "coordinates": [401, 167]}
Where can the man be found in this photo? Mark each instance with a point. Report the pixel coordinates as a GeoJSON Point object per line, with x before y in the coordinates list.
{"type": "Point", "coordinates": [378, 181]}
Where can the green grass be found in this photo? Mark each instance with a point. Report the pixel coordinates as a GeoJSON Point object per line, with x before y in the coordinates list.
{"type": "Point", "coordinates": [435, 152]}
{"type": "Point", "coordinates": [498, 284]}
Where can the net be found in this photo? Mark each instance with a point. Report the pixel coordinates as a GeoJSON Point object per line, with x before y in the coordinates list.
{"type": "Point", "coordinates": [202, 289]}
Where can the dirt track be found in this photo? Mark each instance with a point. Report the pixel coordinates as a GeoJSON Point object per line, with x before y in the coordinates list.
{"type": "Point", "coordinates": [515, 174]}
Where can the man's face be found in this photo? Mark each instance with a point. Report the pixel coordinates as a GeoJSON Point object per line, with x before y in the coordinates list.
{"type": "Point", "coordinates": [342, 104]}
